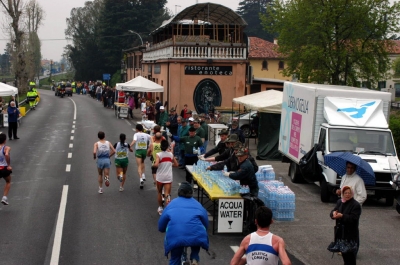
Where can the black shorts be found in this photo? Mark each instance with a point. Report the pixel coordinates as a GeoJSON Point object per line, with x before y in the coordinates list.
{"type": "Point", "coordinates": [5, 173]}
{"type": "Point", "coordinates": [153, 170]}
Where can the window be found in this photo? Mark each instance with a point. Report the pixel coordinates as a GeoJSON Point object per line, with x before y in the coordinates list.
{"type": "Point", "coordinates": [149, 69]}
{"type": "Point", "coordinates": [281, 65]}
{"type": "Point", "coordinates": [265, 65]}
{"type": "Point", "coordinates": [381, 84]}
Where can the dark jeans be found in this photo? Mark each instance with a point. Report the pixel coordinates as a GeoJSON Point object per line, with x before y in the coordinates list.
{"type": "Point", "coordinates": [176, 255]}
{"type": "Point", "coordinates": [12, 129]}
{"type": "Point", "coordinates": [190, 160]}
{"type": "Point", "coordinates": [130, 113]}
{"type": "Point", "coordinates": [349, 258]}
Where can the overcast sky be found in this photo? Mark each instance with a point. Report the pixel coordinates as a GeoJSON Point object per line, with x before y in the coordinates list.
{"type": "Point", "coordinates": [52, 34]}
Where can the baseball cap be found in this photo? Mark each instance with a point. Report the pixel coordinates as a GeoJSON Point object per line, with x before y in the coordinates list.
{"type": "Point", "coordinates": [232, 138]}
{"type": "Point", "coordinates": [161, 107]}
{"type": "Point", "coordinates": [192, 129]}
{"type": "Point", "coordinates": [191, 119]}
{"type": "Point", "coordinates": [196, 121]}
{"type": "Point", "coordinates": [223, 131]}
{"type": "Point", "coordinates": [242, 152]}
{"type": "Point", "coordinates": [237, 145]}
{"type": "Point", "coordinates": [172, 109]}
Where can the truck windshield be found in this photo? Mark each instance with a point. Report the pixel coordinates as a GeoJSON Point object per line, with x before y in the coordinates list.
{"type": "Point", "coordinates": [361, 141]}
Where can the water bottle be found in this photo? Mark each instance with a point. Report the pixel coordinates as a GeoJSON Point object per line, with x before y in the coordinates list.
{"type": "Point", "coordinates": [198, 151]}
{"type": "Point", "coordinates": [167, 130]}
{"type": "Point", "coordinates": [194, 150]}
{"type": "Point", "coordinates": [225, 169]}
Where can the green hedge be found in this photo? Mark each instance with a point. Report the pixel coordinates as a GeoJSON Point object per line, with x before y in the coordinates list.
{"type": "Point", "coordinates": [394, 125]}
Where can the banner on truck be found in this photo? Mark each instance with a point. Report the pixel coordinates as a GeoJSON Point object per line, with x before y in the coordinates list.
{"type": "Point", "coordinates": [297, 120]}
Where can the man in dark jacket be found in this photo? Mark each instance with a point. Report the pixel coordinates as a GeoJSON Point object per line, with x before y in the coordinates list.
{"type": "Point", "coordinates": [245, 174]}
{"type": "Point", "coordinates": [13, 115]}
{"type": "Point", "coordinates": [172, 123]}
{"type": "Point", "coordinates": [236, 130]}
{"type": "Point", "coordinates": [232, 139]}
{"type": "Point", "coordinates": [157, 107]}
{"type": "Point", "coordinates": [221, 146]}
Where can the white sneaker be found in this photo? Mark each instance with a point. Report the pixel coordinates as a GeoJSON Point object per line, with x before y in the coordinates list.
{"type": "Point", "coordinates": [121, 189]}
{"type": "Point", "coordinates": [143, 176]}
{"type": "Point", "coordinates": [4, 200]}
{"type": "Point", "coordinates": [141, 183]}
{"type": "Point", "coordinates": [160, 210]}
{"type": "Point", "coordinates": [101, 190]}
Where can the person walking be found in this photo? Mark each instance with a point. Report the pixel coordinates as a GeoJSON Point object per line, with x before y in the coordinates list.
{"type": "Point", "coordinates": [355, 182]}
{"type": "Point", "coordinates": [347, 214]}
{"type": "Point", "coordinates": [154, 149]}
{"type": "Point", "coordinates": [13, 115]}
{"type": "Point", "coordinates": [5, 166]}
{"type": "Point", "coordinates": [141, 141]}
{"type": "Point", "coordinates": [262, 247]}
{"type": "Point", "coordinates": [185, 223]}
{"type": "Point", "coordinates": [103, 150]}
{"type": "Point", "coordinates": [165, 160]}
{"type": "Point", "coordinates": [131, 106]}
{"type": "Point", "coordinates": [121, 159]}
{"type": "Point", "coordinates": [31, 96]}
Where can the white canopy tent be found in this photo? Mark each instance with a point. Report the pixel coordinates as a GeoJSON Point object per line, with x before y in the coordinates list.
{"type": "Point", "coordinates": [269, 101]}
{"type": "Point", "coordinates": [140, 84]}
{"type": "Point", "coordinates": [7, 90]}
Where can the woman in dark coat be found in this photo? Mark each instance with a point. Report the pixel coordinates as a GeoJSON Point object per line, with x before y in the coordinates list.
{"type": "Point", "coordinates": [347, 215]}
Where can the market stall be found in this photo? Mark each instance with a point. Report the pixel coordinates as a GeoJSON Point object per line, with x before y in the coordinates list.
{"type": "Point", "coordinates": [138, 84]}
{"type": "Point", "coordinates": [6, 90]}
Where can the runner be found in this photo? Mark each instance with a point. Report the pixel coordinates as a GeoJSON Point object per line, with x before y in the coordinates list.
{"type": "Point", "coordinates": [121, 159]}
{"type": "Point", "coordinates": [154, 149]}
{"type": "Point", "coordinates": [141, 141]}
{"type": "Point", "coordinates": [165, 160]}
{"type": "Point", "coordinates": [5, 167]}
{"type": "Point", "coordinates": [103, 150]}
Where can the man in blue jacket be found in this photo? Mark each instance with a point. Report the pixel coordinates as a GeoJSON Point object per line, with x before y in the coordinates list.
{"type": "Point", "coordinates": [185, 222]}
{"type": "Point", "coordinates": [13, 115]}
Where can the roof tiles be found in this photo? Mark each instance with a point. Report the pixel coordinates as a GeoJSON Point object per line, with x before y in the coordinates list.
{"type": "Point", "coordinates": [261, 49]}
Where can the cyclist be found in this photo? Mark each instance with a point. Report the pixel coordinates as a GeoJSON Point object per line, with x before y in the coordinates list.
{"type": "Point", "coordinates": [185, 222]}
{"type": "Point", "coordinates": [262, 247]}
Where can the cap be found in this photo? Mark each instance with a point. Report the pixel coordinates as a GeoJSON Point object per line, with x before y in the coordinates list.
{"type": "Point", "coordinates": [196, 121]}
{"type": "Point", "coordinates": [161, 107]}
{"type": "Point", "coordinates": [192, 129]}
{"type": "Point", "coordinates": [232, 138]}
{"type": "Point", "coordinates": [235, 122]}
{"type": "Point", "coordinates": [242, 152]}
{"type": "Point", "coordinates": [172, 109]}
{"type": "Point", "coordinates": [237, 145]}
{"type": "Point", "coordinates": [223, 131]}
{"type": "Point", "coordinates": [191, 119]}
{"type": "Point", "coordinates": [185, 190]}
{"type": "Point", "coordinates": [189, 112]}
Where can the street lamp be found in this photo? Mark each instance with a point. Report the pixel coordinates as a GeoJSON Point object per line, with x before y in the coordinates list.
{"type": "Point", "coordinates": [131, 31]}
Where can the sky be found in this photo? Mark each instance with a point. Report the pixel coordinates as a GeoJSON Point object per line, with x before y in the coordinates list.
{"type": "Point", "coordinates": [51, 32]}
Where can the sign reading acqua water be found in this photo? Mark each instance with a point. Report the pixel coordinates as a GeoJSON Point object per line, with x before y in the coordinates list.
{"type": "Point", "coordinates": [230, 216]}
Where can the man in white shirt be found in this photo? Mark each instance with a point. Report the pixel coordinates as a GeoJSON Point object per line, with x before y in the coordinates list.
{"type": "Point", "coordinates": [142, 142]}
{"type": "Point", "coordinates": [355, 182]}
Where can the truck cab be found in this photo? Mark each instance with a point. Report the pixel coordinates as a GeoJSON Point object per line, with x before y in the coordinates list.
{"type": "Point", "coordinates": [374, 145]}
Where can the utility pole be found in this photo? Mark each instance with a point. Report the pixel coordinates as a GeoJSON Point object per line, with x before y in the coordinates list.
{"type": "Point", "coordinates": [51, 68]}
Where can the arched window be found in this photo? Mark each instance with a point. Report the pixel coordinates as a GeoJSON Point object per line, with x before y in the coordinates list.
{"type": "Point", "coordinates": [265, 65]}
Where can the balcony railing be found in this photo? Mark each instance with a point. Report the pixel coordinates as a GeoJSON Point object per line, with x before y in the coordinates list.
{"type": "Point", "coordinates": [196, 52]}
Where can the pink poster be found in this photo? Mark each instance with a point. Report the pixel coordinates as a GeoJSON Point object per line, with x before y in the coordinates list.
{"type": "Point", "coordinates": [295, 135]}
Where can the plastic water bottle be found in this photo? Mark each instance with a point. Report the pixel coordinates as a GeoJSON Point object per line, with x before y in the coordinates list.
{"type": "Point", "coordinates": [198, 151]}
{"type": "Point", "coordinates": [167, 130]}
{"type": "Point", "coordinates": [194, 150]}
{"type": "Point", "coordinates": [225, 169]}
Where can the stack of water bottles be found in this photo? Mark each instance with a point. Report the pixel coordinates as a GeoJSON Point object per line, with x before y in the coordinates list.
{"type": "Point", "coordinates": [209, 178]}
{"type": "Point", "coordinates": [279, 198]}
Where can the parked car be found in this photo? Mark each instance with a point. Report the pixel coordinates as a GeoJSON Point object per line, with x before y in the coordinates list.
{"type": "Point", "coordinates": [244, 121]}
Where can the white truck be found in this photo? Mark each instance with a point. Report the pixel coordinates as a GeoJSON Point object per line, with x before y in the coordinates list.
{"type": "Point", "coordinates": [338, 118]}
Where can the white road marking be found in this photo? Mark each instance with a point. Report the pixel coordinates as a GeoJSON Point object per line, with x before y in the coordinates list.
{"type": "Point", "coordinates": [69, 155]}
{"type": "Point", "coordinates": [71, 145]}
{"type": "Point", "coordinates": [73, 122]}
{"type": "Point", "coordinates": [128, 122]}
{"type": "Point", "coordinates": [74, 108]}
{"type": "Point", "coordinates": [68, 168]}
{"type": "Point", "coordinates": [73, 131]}
{"type": "Point", "coordinates": [73, 126]}
{"type": "Point", "coordinates": [72, 138]}
{"type": "Point", "coordinates": [235, 248]}
{"type": "Point", "coordinates": [55, 255]}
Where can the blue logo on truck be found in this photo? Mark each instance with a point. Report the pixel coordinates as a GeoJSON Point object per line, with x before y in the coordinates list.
{"type": "Point", "coordinates": [359, 111]}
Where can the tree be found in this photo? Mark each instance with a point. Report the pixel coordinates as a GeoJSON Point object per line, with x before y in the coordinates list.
{"type": "Point", "coordinates": [250, 11]}
{"type": "Point", "coordinates": [334, 41]}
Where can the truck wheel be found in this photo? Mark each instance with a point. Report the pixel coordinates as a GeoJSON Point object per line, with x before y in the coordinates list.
{"type": "Point", "coordinates": [325, 194]}
{"type": "Point", "coordinates": [294, 173]}
{"type": "Point", "coordinates": [389, 200]}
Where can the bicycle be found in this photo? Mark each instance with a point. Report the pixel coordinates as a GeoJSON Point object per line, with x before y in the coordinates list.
{"type": "Point", "coordinates": [184, 257]}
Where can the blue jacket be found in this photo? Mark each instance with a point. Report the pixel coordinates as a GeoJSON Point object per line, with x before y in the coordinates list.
{"type": "Point", "coordinates": [13, 116]}
{"type": "Point", "coordinates": [185, 222]}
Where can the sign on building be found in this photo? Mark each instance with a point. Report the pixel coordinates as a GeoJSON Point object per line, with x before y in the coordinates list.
{"type": "Point", "coordinates": [230, 215]}
{"type": "Point", "coordinates": [208, 70]}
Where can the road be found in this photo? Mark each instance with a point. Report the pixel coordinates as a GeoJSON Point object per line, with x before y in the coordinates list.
{"type": "Point", "coordinates": [53, 166]}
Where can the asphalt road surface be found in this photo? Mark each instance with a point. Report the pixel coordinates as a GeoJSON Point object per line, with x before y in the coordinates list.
{"type": "Point", "coordinates": [56, 215]}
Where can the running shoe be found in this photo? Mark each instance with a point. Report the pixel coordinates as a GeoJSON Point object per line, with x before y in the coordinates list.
{"type": "Point", "coordinates": [143, 177]}
{"type": "Point", "coordinates": [121, 189]}
{"type": "Point", "coordinates": [168, 199]}
{"type": "Point", "coordinates": [107, 181]}
{"type": "Point", "coordinates": [100, 190]}
{"type": "Point", "coordinates": [160, 210]}
{"type": "Point", "coordinates": [120, 178]}
{"type": "Point", "coordinates": [141, 183]}
{"type": "Point", "coordinates": [4, 200]}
